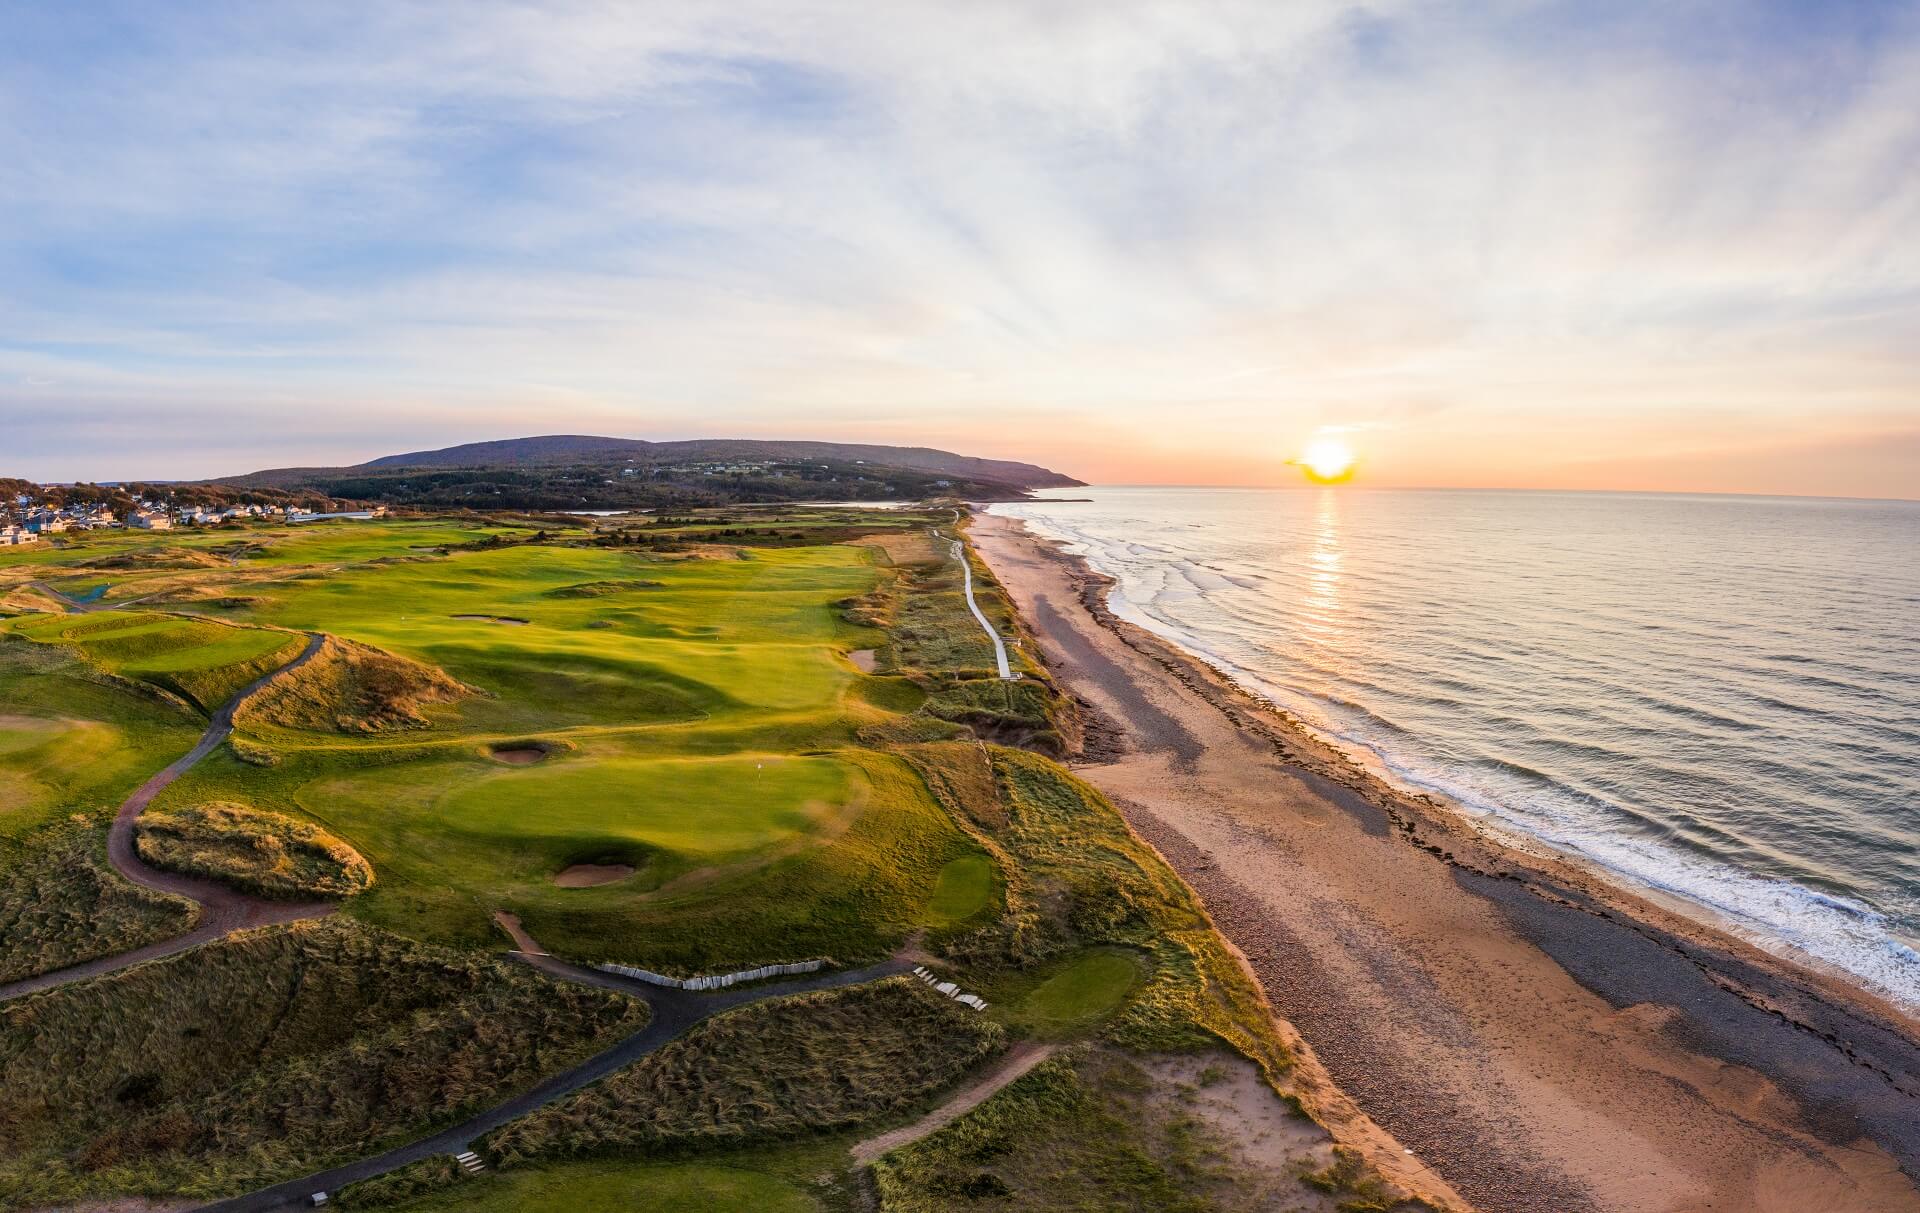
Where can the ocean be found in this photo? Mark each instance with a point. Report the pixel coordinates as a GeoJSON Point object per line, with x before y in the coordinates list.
{"type": "Point", "coordinates": [1717, 698]}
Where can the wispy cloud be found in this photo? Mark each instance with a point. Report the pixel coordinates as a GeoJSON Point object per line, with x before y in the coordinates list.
{"type": "Point", "coordinates": [1059, 230]}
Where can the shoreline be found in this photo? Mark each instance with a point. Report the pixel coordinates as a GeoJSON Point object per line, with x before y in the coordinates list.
{"type": "Point", "coordinates": [1528, 1000]}
{"type": "Point", "coordinates": [1348, 756]}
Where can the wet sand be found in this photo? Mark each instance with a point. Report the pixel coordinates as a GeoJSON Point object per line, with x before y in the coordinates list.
{"type": "Point", "coordinates": [1538, 1037]}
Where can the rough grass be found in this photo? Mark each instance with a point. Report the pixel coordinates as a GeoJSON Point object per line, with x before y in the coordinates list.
{"type": "Point", "coordinates": [783, 1068]}
{"type": "Point", "coordinates": [353, 688]}
{"type": "Point", "coordinates": [262, 853]}
{"type": "Point", "coordinates": [438, 1186]}
{"type": "Point", "coordinates": [61, 905]}
{"type": "Point", "coordinates": [269, 1054]}
{"type": "Point", "coordinates": [1087, 1130]}
{"type": "Point", "coordinates": [934, 640]}
{"type": "Point", "coordinates": [1077, 878]}
{"type": "Point", "coordinates": [1019, 713]}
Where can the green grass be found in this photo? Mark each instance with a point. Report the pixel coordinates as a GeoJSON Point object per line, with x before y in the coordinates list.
{"type": "Point", "coordinates": [269, 1054]}
{"type": "Point", "coordinates": [606, 1187]}
{"type": "Point", "coordinates": [203, 662]}
{"type": "Point", "coordinates": [1084, 991]}
{"type": "Point", "coordinates": [703, 723]}
{"type": "Point", "coordinates": [966, 887]}
{"type": "Point", "coordinates": [686, 810]}
{"type": "Point", "coordinates": [72, 740]}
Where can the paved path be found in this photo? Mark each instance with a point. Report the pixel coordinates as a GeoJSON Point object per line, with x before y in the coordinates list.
{"type": "Point", "coordinates": [222, 910]}
{"type": "Point", "coordinates": [966, 583]}
{"type": "Point", "coordinates": [674, 1012]}
{"type": "Point", "coordinates": [1018, 1060]}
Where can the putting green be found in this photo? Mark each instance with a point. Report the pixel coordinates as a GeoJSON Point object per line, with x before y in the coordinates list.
{"type": "Point", "coordinates": [46, 762]}
{"type": "Point", "coordinates": [965, 886]}
{"type": "Point", "coordinates": [704, 809]}
{"type": "Point", "coordinates": [1087, 988]}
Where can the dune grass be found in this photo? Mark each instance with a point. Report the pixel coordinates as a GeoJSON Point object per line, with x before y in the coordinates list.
{"type": "Point", "coordinates": [810, 1063]}
{"type": "Point", "coordinates": [352, 688]}
{"type": "Point", "coordinates": [61, 905]}
{"type": "Point", "coordinates": [588, 1187]}
{"type": "Point", "coordinates": [700, 721]}
{"type": "Point", "coordinates": [1090, 1129]}
{"type": "Point", "coordinates": [266, 854]}
{"type": "Point", "coordinates": [268, 1054]}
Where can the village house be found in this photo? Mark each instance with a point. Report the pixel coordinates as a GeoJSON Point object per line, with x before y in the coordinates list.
{"type": "Point", "coordinates": [12, 535]}
{"type": "Point", "coordinates": [148, 521]}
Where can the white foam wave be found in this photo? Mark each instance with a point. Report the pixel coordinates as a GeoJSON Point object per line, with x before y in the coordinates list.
{"type": "Point", "coordinates": [1151, 584]}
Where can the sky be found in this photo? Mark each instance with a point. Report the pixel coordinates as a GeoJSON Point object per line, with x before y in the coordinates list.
{"type": "Point", "coordinates": [1668, 245]}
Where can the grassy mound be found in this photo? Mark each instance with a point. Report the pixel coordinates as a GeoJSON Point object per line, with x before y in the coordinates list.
{"type": "Point", "coordinates": [203, 662]}
{"type": "Point", "coordinates": [353, 688]}
{"type": "Point", "coordinates": [61, 905]}
{"type": "Point", "coordinates": [262, 853]}
{"type": "Point", "coordinates": [155, 558]}
{"type": "Point", "coordinates": [601, 589]}
{"type": "Point", "coordinates": [782, 1068]}
{"type": "Point", "coordinates": [269, 1054]}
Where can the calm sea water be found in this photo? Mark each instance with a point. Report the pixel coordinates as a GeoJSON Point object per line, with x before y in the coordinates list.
{"type": "Point", "coordinates": [1718, 697]}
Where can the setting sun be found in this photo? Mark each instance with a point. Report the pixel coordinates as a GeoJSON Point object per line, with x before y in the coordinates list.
{"type": "Point", "coordinates": [1326, 460]}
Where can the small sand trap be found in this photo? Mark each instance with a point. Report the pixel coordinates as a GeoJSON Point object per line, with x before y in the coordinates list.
{"type": "Point", "coordinates": [587, 875]}
{"type": "Point", "coordinates": [864, 660]}
{"type": "Point", "coordinates": [493, 618]}
{"type": "Point", "coordinates": [520, 756]}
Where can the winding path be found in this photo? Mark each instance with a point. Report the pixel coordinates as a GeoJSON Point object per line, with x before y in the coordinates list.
{"type": "Point", "coordinates": [966, 584]}
{"type": "Point", "coordinates": [1013, 1066]}
{"type": "Point", "coordinates": [222, 910]}
{"type": "Point", "coordinates": [673, 1013]}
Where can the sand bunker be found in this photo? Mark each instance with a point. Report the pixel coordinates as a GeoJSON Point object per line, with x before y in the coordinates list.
{"type": "Point", "coordinates": [493, 618]}
{"type": "Point", "coordinates": [587, 875]}
{"type": "Point", "coordinates": [520, 755]}
{"type": "Point", "coordinates": [864, 660]}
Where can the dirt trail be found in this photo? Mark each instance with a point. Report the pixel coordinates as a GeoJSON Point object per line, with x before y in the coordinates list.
{"type": "Point", "coordinates": [1543, 1041]}
{"type": "Point", "coordinates": [222, 910]}
{"type": "Point", "coordinates": [1018, 1060]}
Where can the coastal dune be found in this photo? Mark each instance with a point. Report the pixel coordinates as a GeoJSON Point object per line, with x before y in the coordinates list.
{"type": "Point", "coordinates": [1538, 1038]}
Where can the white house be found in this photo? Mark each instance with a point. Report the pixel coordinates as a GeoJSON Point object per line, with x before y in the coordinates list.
{"type": "Point", "coordinates": [11, 536]}
{"type": "Point", "coordinates": [149, 522]}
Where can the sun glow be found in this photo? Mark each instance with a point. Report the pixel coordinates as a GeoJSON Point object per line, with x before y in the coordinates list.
{"type": "Point", "coordinates": [1326, 460]}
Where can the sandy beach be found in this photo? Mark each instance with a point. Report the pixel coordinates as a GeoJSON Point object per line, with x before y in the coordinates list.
{"type": "Point", "coordinates": [1538, 1038]}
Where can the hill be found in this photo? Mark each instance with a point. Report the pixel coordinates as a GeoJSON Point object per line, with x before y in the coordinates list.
{"type": "Point", "coordinates": [579, 471]}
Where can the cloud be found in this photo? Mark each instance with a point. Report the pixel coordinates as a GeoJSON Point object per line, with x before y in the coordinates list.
{"type": "Point", "coordinates": [1255, 219]}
